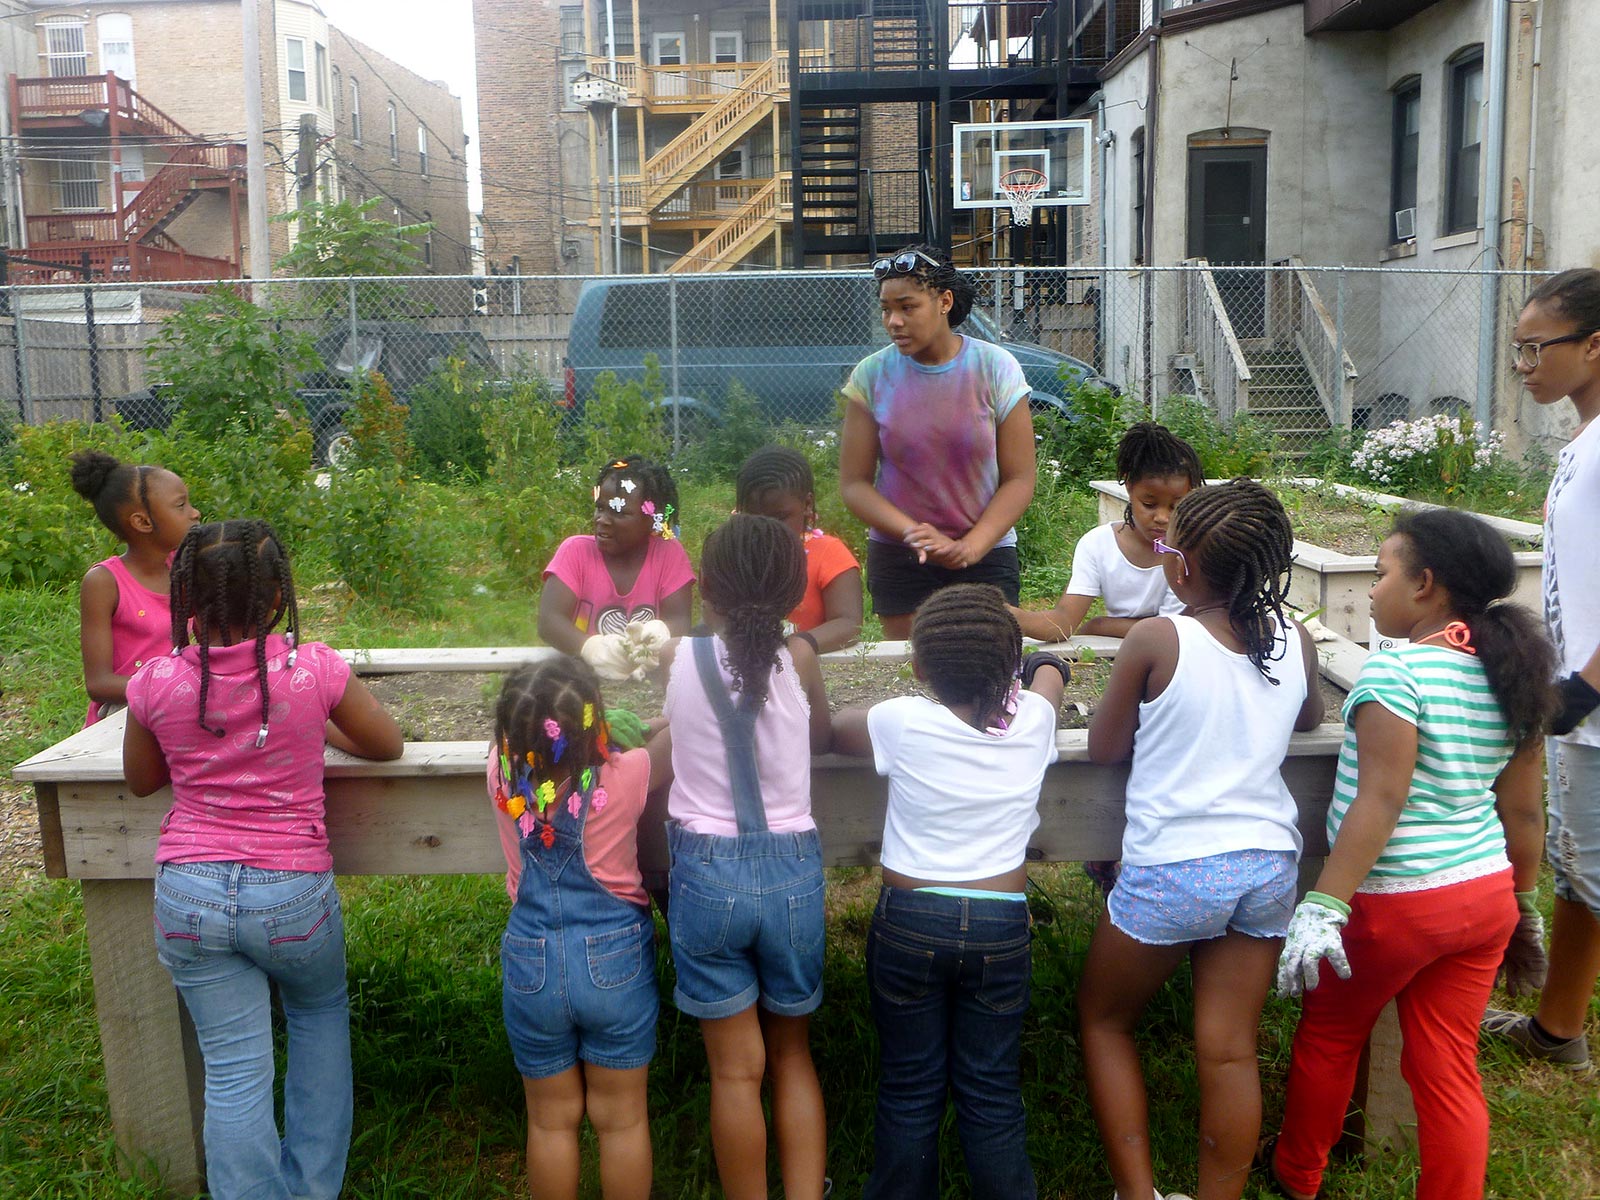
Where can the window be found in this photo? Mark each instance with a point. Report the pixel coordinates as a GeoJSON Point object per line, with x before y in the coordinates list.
{"type": "Point", "coordinates": [295, 58]}
{"type": "Point", "coordinates": [1464, 146]}
{"type": "Point", "coordinates": [726, 47]}
{"type": "Point", "coordinates": [394, 134]}
{"type": "Point", "coordinates": [322, 76]}
{"type": "Point", "coordinates": [132, 163]}
{"type": "Point", "coordinates": [422, 148]}
{"type": "Point", "coordinates": [64, 52]}
{"type": "Point", "coordinates": [338, 94]}
{"type": "Point", "coordinates": [571, 30]}
{"type": "Point", "coordinates": [1136, 143]}
{"type": "Point", "coordinates": [75, 182]}
{"type": "Point", "coordinates": [427, 249]}
{"type": "Point", "coordinates": [355, 112]}
{"type": "Point", "coordinates": [1407, 139]}
{"type": "Point", "coordinates": [116, 44]}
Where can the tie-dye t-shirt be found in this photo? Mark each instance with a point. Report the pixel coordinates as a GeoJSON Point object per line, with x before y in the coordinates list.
{"type": "Point", "coordinates": [937, 429]}
{"type": "Point", "coordinates": [232, 802]}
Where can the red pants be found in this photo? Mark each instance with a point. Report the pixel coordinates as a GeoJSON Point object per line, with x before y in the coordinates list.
{"type": "Point", "coordinates": [1435, 953]}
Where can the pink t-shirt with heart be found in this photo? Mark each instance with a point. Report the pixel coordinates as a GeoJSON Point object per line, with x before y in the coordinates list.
{"type": "Point", "coordinates": [579, 564]}
{"type": "Point", "coordinates": [232, 802]}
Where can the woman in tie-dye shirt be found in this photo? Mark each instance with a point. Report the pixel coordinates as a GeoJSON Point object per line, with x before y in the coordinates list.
{"type": "Point", "coordinates": [937, 451]}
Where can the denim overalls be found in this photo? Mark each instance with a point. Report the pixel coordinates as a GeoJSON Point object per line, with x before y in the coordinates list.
{"type": "Point", "coordinates": [746, 915]}
{"type": "Point", "coordinates": [578, 962]}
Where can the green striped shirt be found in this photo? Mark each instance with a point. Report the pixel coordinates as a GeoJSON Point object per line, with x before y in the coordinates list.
{"type": "Point", "coordinates": [1449, 819]}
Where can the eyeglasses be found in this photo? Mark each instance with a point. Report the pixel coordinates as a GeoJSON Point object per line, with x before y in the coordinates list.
{"type": "Point", "coordinates": [1527, 354]}
{"type": "Point", "coordinates": [1163, 548]}
{"type": "Point", "coordinates": [904, 263]}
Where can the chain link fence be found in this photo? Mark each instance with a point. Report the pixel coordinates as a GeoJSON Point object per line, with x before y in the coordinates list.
{"type": "Point", "coordinates": [1300, 350]}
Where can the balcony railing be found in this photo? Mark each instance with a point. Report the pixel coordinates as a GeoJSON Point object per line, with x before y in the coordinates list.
{"type": "Point", "coordinates": [119, 262]}
{"type": "Point", "coordinates": [693, 85]}
{"type": "Point", "coordinates": [70, 96]}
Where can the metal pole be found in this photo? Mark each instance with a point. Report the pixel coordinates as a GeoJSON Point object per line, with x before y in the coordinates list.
{"type": "Point", "coordinates": [615, 163]}
{"type": "Point", "coordinates": [1494, 175]}
{"type": "Point", "coordinates": [999, 287]}
{"type": "Point", "coordinates": [609, 262]}
{"type": "Point", "coordinates": [20, 350]}
{"type": "Point", "coordinates": [94, 341]}
{"type": "Point", "coordinates": [355, 356]}
{"type": "Point", "coordinates": [672, 323]}
{"type": "Point", "coordinates": [255, 145]}
{"type": "Point", "coordinates": [8, 308]}
{"type": "Point", "coordinates": [1341, 409]}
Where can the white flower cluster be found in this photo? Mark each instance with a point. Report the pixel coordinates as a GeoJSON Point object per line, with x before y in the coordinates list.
{"type": "Point", "coordinates": [1383, 453]}
{"type": "Point", "coordinates": [22, 488]}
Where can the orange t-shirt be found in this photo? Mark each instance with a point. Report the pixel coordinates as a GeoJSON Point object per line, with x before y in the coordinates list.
{"type": "Point", "coordinates": [827, 558]}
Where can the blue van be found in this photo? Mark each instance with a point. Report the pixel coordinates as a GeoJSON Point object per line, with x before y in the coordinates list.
{"type": "Point", "coordinates": [791, 339]}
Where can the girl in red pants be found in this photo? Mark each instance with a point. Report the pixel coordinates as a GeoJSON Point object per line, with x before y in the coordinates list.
{"type": "Point", "coordinates": [1436, 826]}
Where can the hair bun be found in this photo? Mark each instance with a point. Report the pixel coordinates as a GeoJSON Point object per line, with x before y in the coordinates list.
{"type": "Point", "coordinates": [91, 470]}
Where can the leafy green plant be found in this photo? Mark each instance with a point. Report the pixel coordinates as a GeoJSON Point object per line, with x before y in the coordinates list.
{"type": "Point", "coordinates": [48, 536]}
{"type": "Point", "coordinates": [720, 450]}
{"type": "Point", "coordinates": [376, 424]}
{"type": "Point", "coordinates": [446, 422]}
{"type": "Point", "coordinates": [1241, 447]}
{"type": "Point", "coordinates": [230, 363]}
{"type": "Point", "coordinates": [537, 501]}
{"type": "Point", "coordinates": [338, 240]}
{"type": "Point", "coordinates": [1062, 511]}
{"type": "Point", "coordinates": [382, 539]}
{"type": "Point", "coordinates": [1083, 443]}
{"type": "Point", "coordinates": [623, 418]}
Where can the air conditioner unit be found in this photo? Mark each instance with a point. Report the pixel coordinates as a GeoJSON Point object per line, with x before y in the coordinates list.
{"type": "Point", "coordinates": [1405, 224]}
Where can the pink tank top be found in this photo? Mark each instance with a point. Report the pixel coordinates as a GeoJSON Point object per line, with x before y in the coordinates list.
{"type": "Point", "coordinates": [141, 626]}
{"type": "Point", "coordinates": [701, 797]}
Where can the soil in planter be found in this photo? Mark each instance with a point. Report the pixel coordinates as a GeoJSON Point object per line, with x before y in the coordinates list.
{"type": "Point", "coordinates": [455, 706]}
{"type": "Point", "coordinates": [1325, 518]}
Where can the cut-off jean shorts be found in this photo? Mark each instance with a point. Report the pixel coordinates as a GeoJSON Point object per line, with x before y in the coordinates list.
{"type": "Point", "coordinates": [1251, 891]}
{"type": "Point", "coordinates": [746, 919]}
{"type": "Point", "coordinates": [1572, 839]}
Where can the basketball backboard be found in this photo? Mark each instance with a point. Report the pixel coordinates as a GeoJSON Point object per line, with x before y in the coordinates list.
{"type": "Point", "coordinates": [986, 153]}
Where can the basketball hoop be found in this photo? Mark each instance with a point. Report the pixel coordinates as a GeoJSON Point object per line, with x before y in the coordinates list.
{"type": "Point", "coordinates": [1021, 186]}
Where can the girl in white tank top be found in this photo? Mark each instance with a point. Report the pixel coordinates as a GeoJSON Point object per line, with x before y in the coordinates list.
{"type": "Point", "coordinates": [1205, 703]}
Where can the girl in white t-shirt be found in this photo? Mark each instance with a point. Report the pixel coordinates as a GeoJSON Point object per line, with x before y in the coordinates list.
{"type": "Point", "coordinates": [948, 956]}
{"type": "Point", "coordinates": [1118, 563]}
{"type": "Point", "coordinates": [1205, 703]}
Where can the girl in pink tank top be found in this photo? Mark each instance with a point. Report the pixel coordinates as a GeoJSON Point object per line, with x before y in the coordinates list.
{"type": "Point", "coordinates": [125, 614]}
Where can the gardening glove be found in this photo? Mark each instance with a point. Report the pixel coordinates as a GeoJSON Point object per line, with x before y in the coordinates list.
{"type": "Point", "coordinates": [1313, 936]}
{"type": "Point", "coordinates": [1578, 700]}
{"type": "Point", "coordinates": [1523, 968]}
{"type": "Point", "coordinates": [608, 654]}
{"type": "Point", "coordinates": [644, 643]}
{"type": "Point", "coordinates": [625, 728]}
{"type": "Point", "coordinates": [1043, 658]}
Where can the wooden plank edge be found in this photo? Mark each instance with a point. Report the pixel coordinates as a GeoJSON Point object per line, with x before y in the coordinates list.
{"type": "Point", "coordinates": [55, 851]}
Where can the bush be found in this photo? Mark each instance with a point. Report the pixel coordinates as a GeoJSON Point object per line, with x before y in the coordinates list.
{"type": "Point", "coordinates": [536, 501]}
{"type": "Point", "coordinates": [1243, 447]}
{"type": "Point", "coordinates": [1084, 443]}
{"type": "Point", "coordinates": [1062, 510]}
{"type": "Point", "coordinates": [622, 418]}
{"type": "Point", "coordinates": [49, 536]}
{"type": "Point", "coordinates": [1416, 458]}
{"type": "Point", "coordinates": [383, 539]}
{"type": "Point", "coordinates": [718, 451]}
{"type": "Point", "coordinates": [376, 423]}
{"type": "Point", "coordinates": [446, 423]}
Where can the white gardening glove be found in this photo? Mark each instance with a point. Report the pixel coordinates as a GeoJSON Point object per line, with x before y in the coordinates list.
{"type": "Point", "coordinates": [608, 654]}
{"type": "Point", "coordinates": [644, 642]}
{"type": "Point", "coordinates": [1313, 936]}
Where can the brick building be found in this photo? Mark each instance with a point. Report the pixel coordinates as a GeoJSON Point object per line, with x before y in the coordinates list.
{"type": "Point", "coordinates": [128, 149]}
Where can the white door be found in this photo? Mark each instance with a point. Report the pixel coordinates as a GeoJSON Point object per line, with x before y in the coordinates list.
{"type": "Point", "coordinates": [669, 54]}
{"type": "Point", "coordinates": [116, 44]}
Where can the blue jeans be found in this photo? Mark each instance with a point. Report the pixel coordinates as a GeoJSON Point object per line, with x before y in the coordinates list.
{"type": "Point", "coordinates": [949, 979]}
{"type": "Point", "coordinates": [1572, 838]}
{"type": "Point", "coordinates": [226, 932]}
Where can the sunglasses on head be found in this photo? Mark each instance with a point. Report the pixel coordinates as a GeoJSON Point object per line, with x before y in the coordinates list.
{"type": "Point", "coordinates": [907, 262]}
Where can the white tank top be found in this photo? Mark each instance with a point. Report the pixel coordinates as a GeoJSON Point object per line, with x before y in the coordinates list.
{"type": "Point", "coordinates": [1208, 754]}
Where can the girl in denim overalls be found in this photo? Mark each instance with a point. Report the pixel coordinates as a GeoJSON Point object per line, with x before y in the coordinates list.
{"type": "Point", "coordinates": [747, 712]}
{"type": "Point", "coordinates": [579, 992]}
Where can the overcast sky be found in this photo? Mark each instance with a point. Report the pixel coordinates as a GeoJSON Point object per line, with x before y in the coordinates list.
{"type": "Point", "coordinates": [432, 38]}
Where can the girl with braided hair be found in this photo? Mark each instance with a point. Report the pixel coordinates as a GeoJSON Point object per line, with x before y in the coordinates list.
{"type": "Point", "coordinates": [236, 722]}
{"type": "Point", "coordinates": [577, 959]}
{"type": "Point", "coordinates": [776, 482]}
{"type": "Point", "coordinates": [616, 595]}
{"type": "Point", "coordinates": [1205, 702]}
{"type": "Point", "coordinates": [124, 606]}
{"type": "Point", "coordinates": [948, 955]}
{"type": "Point", "coordinates": [936, 456]}
{"type": "Point", "coordinates": [1118, 563]}
{"type": "Point", "coordinates": [747, 711]}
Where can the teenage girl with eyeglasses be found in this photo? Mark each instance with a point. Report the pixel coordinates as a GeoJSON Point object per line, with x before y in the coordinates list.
{"type": "Point", "coordinates": [1204, 702]}
{"type": "Point", "coordinates": [1557, 350]}
{"type": "Point", "coordinates": [936, 457]}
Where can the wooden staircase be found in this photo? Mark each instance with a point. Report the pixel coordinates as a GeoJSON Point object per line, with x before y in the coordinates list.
{"type": "Point", "coordinates": [714, 133]}
{"type": "Point", "coordinates": [1283, 399]}
{"type": "Point", "coordinates": [743, 231]}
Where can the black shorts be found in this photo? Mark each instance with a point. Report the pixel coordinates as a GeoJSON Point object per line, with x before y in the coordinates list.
{"type": "Point", "coordinates": [899, 583]}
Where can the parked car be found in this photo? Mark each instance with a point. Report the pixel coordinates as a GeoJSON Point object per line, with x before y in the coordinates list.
{"type": "Point", "coordinates": [790, 340]}
{"type": "Point", "coordinates": [405, 353]}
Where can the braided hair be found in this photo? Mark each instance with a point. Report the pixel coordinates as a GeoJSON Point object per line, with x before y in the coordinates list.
{"type": "Point", "coordinates": [1237, 536]}
{"type": "Point", "coordinates": [1152, 451]}
{"type": "Point", "coordinates": [943, 278]}
{"type": "Point", "coordinates": [654, 480]}
{"type": "Point", "coordinates": [108, 483]}
{"type": "Point", "coordinates": [753, 572]}
{"type": "Point", "coordinates": [227, 576]}
{"type": "Point", "coordinates": [1473, 563]}
{"type": "Point", "coordinates": [968, 646]}
{"type": "Point", "coordinates": [563, 689]}
{"type": "Point", "coordinates": [773, 469]}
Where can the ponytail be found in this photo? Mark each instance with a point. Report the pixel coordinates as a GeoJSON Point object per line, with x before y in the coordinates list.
{"type": "Point", "coordinates": [1473, 563]}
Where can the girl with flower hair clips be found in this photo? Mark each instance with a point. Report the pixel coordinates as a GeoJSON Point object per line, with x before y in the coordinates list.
{"type": "Point", "coordinates": [578, 962]}
{"type": "Point", "coordinates": [616, 595]}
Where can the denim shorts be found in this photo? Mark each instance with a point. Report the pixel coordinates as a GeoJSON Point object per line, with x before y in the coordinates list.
{"type": "Point", "coordinates": [1251, 891]}
{"type": "Point", "coordinates": [746, 920]}
{"type": "Point", "coordinates": [569, 997]}
{"type": "Point", "coordinates": [1572, 838]}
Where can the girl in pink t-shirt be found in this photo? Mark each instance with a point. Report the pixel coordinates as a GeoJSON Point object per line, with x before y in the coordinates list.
{"type": "Point", "coordinates": [245, 898]}
{"type": "Point", "coordinates": [125, 619]}
{"type": "Point", "coordinates": [578, 959]}
{"type": "Point", "coordinates": [602, 588]}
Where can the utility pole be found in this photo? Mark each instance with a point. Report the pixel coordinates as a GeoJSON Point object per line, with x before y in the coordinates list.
{"type": "Point", "coordinates": [601, 97]}
{"type": "Point", "coordinates": [305, 161]}
{"type": "Point", "coordinates": [255, 138]}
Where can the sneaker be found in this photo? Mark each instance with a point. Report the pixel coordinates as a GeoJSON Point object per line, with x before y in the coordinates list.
{"type": "Point", "coordinates": [1517, 1028]}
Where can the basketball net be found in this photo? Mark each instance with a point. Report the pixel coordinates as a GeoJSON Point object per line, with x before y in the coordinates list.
{"type": "Point", "coordinates": [1020, 195]}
